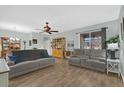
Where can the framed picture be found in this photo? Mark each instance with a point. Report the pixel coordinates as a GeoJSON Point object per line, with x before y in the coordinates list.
{"type": "Point", "coordinates": [34, 41]}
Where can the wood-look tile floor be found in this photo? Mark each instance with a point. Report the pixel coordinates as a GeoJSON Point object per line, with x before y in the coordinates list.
{"type": "Point", "coordinates": [64, 75]}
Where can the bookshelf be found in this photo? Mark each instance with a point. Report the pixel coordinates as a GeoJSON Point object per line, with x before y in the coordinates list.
{"type": "Point", "coordinates": [58, 47]}
{"type": "Point", "coordinates": [6, 42]}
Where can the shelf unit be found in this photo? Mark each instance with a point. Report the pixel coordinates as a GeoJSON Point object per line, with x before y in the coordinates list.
{"type": "Point", "coordinates": [6, 42]}
{"type": "Point", "coordinates": [113, 59]}
{"type": "Point", "coordinates": [113, 66]}
{"type": "Point", "coordinates": [58, 47]}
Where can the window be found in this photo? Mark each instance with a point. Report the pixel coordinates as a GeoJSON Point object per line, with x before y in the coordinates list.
{"type": "Point", "coordinates": [93, 40]}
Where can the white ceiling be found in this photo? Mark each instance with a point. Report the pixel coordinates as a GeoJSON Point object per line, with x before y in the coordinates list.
{"type": "Point", "coordinates": [62, 18]}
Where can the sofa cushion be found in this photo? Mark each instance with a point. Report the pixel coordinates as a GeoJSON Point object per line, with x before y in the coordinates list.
{"type": "Point", "coordinates": [12, 58]}
{"type": "Point", "coordinates": [83, 62]}
{"type": "Point", "coordinates": [11, 63]}
{"type": "Point", "coordinates": [82, 56]}
{"type": "Point", "coordinates": [86, 52]}
{"type": "Point", "coordinates": [93, 59]}
{"type": "Point", "coordinates": [78, 51]}
{"type": "Point", "coordinates": [75, 60]}
{"type": "Point", "coordinates": [45, 61]}
{"type": "Point", "coordinates": [95, 64]}
{"type": "Point", "coordinates": [99, 58]}
{"type": "Point", "coordinates": [44, 54]}
{"type": "Point", "coordinates": [27, 55]}
{"type": "Point", "coordinates": [23, 66]}
{"type": "Point", "coordinates": [98, 53]}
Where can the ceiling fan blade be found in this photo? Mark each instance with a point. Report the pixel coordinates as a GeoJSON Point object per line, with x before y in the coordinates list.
{"type": "Point", "coordinates": [54, 31]}
{"type": "Point", "coordinates": [49, 32]}
{"type": "Point", "coordinates": [38, 29]}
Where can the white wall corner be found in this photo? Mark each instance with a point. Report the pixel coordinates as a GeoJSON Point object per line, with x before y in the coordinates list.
{"type": "Point", "coordinates": [78, 37]}
{"type": "Point", "coordinates": [122, 77]}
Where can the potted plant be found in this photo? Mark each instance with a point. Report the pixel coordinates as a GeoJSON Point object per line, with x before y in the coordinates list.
{"type": "Point", "coordinates": [113, 42]}
{"type": "Point", "coordinates": [114, 39]}
{"type": "Point", "coordinates": [113, 45]}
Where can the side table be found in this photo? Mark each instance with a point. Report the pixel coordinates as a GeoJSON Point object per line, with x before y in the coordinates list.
{"type": "Point", "coordinates": [113, 65]}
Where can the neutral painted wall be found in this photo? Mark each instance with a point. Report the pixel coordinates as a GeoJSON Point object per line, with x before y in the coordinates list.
{"type": "Point", "coordinates": [41, 40]}
{"type": "Point", "coordinates": [25, 37]}
{"type": "Point", "coordinates": [122, 42]}
{"type": "Point", "coordinates": [70, 35]}
{"type": "Point", "coordinates": [113, 29]}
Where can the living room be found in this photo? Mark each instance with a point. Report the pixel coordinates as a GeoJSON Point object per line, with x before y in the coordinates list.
{"type": "Point", "coordinates": [62, 46]}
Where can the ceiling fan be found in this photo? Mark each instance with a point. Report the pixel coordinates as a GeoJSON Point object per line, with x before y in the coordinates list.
{"type": "Point", "coordinates": [47, 29]}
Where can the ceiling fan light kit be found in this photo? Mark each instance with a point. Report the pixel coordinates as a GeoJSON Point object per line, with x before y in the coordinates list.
{"type": "Point", "coordinates": [47, 29]}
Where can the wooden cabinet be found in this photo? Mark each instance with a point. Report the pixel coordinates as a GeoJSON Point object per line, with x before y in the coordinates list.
{"type": "Point", "coordinates": [58, 53]}
{"type": "Point", "coordinates": [58, 47]}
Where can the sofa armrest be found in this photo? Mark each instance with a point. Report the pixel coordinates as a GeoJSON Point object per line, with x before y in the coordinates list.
{"type": "Point", "coordinates": [99, 58]}
{"type": "Point", "coordinates": [11, 63]}
{"type": "Point", "coordinates": [80, 56]}
{"type": "Point", "coordinates": [50, 56]}
{"type": "Point", "coordinates": [73, 55]}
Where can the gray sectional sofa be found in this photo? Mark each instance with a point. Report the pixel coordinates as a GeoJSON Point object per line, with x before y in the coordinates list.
{"type": "Point", "coordinates": [29, 60]}
{"type": "Point", "coordinates": [89, 58]}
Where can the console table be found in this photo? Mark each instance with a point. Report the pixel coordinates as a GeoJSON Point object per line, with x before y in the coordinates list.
{"type": "Point", "coordinates": [113, 66]}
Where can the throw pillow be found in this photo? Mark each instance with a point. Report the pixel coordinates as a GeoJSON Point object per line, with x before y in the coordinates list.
{"type": "Point", "coordinates": [44, 54]}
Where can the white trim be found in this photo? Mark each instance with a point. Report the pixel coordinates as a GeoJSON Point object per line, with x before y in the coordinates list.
{"type": "Point", "coordinates": [89, 31]}
{"type": "Point", "coordinates": [122, 77]}
{"type": "Point", "coordinates": [121, 68]}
